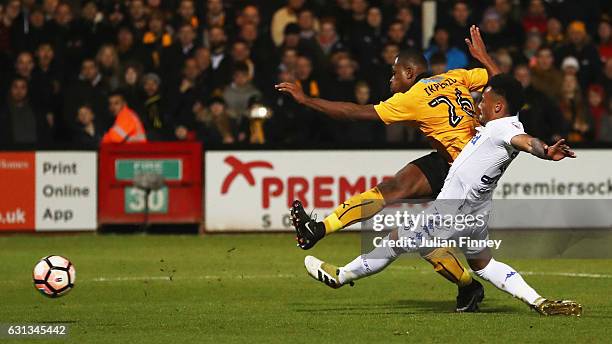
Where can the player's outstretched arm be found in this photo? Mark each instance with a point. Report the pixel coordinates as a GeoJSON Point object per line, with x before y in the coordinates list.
{"type": "Point", "coordinates": [535, 146]}
{"type": "Point", "coordinates": [338, 110]}
{"type": "Point", "coordinates": [478, 50]}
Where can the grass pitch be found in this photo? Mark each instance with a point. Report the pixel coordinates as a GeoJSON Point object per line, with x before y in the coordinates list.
{"type": "Point", "coordinates": [238, 288]}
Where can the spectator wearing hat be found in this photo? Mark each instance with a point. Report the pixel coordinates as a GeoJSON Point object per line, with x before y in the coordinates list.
{"type": "Point", "coordinates": [154, 117]}
{"type": "Point", "coordinates": [570, 65]}
{"type": "Point", "coordinates": [585, 52]}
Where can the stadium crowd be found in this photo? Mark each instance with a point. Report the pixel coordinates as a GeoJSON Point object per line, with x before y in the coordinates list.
{"type": "Point", "coordinates": [192, 70]}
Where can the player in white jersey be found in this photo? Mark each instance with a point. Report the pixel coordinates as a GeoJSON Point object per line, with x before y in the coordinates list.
{"type": "Point", "coordinates": [468, 190]}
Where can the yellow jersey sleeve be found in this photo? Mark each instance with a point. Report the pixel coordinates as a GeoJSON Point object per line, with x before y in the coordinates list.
{"type": "Point", "coordinates": [398, 108]}
{"type": "Point", "coordinates": [475, 79]}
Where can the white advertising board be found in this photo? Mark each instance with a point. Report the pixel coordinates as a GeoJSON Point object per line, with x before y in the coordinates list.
{"type": "Point", "coordinates": [66, 191]}
{"type": "Point", "coordinates": [253, 190]}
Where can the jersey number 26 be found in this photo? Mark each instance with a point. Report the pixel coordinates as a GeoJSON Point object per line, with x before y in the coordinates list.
{"type": "Point", "coordinates": [463, 103]}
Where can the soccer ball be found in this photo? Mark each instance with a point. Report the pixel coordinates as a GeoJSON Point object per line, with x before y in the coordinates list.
{"type": "Point", "coordinates": [54, 276]}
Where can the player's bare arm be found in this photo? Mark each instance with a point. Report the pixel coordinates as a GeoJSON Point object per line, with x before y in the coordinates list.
{"type": "Point", "coordinates": [337, 110]}
{"type": "Point", "coordinates": [527, 143]}
{"type": "Point", "coordinates": [479, 51]}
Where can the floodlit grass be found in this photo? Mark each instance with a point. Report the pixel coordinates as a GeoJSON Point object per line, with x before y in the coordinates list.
{"type": "Point", "coordinates": [253, 288]}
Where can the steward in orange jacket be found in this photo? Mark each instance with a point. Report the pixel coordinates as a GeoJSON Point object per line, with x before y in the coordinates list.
{"type": "Point", "coordinates": [128, 127]}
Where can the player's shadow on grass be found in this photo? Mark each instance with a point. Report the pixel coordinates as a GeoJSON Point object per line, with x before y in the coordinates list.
{"type": "Point", "coordinates": [446, 306]}
{"type": "Point", "coordinates": [407, 306]}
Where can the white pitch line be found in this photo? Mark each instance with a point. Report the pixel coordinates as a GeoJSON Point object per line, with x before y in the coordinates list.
{"type": "Point", "coordinates": [281, 276]}
{"type": "Point", "coordinates": [526, 273]}
{"type": "Point", "coordinates": [564, 274]}
{"type": "Point", "coordinates": [203, 277]}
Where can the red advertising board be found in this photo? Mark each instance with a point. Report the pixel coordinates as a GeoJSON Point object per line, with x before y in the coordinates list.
{"type": "Point", "coordinates": [178, 201]}
{"type": "Point", "coordinates": [17, 175]}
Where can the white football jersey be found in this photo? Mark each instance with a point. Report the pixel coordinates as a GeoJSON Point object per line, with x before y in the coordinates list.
{"type": "Point", "coordinates": [474, 174]}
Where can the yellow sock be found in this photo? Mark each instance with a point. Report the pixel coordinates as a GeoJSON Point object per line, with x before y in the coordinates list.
{"type": "Point", "coordinates": [358, 208]}
{"type": "Point", "coordinates": [446, 264]}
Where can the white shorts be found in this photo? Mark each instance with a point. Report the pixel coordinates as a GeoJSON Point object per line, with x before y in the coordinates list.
{"type": "Point", "coordinates": [470, 239]}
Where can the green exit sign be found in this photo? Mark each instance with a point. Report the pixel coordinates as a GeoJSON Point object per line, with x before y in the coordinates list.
{"type": "Point", "coordinates": [170, 169]}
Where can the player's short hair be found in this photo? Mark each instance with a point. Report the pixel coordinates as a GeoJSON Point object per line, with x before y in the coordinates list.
{"type": "Point", "coordinates": [510, 89]}
{"type": "Point", "coordinates": [412, 56]}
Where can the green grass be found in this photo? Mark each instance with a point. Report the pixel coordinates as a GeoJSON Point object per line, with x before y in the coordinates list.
{"type": "Point", "coordinates": [239, 288]}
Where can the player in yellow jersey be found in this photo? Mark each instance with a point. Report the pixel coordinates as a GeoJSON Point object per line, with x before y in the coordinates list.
{"type": "Point", "coordinates": [442, 108]}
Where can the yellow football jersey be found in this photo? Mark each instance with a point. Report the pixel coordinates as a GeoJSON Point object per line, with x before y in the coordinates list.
{"type": "Point", "coordinates": [441, 107]}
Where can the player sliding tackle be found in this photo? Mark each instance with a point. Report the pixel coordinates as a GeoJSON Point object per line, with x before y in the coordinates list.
{"type": "Point", "coordinates": [468, 190]}
{"type": "Point", "coordinates": [443, 109]}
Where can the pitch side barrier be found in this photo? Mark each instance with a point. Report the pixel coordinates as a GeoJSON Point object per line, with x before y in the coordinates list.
{"type": "Point", "coordinates": [71, 190]}
{"type": "Point", "coordinates": [45, 190]}
{"type": "Point", "coordinates": [48, 191]}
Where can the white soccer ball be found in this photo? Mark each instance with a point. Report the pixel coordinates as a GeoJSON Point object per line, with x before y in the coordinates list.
{"type": "Point", "coordinates": [54, 276]}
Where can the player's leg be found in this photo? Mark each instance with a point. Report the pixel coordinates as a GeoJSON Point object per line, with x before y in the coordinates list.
{"type": "Point", "coordinates": [469, 291]}
{"type": "Point", "coordinates": [509, 280]}
{"type": "Point", "coordinates": [408, 183]}
{"type": "Point", "coordinates": [364, 265]}
{"type": "Point", "coordinates": [421, 178]}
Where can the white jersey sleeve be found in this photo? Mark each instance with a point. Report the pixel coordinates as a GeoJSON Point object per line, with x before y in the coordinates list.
{"type": "Point", "coordinates": [503, 134]}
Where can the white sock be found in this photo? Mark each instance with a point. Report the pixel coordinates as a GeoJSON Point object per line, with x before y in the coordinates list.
{"type": "Point", "coordinates": [367, 264]}
{"type": "Point", "coordinates": [507, 279]}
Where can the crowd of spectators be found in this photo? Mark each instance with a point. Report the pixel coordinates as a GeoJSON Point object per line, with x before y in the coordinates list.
{"type": "Point", "coordinates": [192, 70]}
